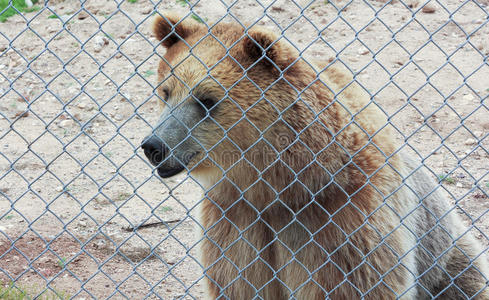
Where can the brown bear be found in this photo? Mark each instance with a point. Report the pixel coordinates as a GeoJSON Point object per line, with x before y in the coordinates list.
{"type": "Point", "coordinates": [308, 195]}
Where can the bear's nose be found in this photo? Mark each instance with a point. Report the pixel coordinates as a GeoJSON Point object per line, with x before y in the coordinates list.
{"type": "Point", "coordinates": [153, 149]}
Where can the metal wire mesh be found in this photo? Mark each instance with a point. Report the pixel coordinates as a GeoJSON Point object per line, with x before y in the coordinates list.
{"type": "Point", "coordinates": [83, 213]}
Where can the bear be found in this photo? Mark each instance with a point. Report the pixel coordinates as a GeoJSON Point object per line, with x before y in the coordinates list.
{"type": "Point", "coordinates": [308, 194]}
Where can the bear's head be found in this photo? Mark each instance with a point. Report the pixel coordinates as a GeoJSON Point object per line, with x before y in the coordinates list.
{"type": "Point", "coordinates": [231, 97]}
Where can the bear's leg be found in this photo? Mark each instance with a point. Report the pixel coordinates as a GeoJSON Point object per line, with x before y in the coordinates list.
{"type": "Point", "coordinates": [466, 279]}
{"type": "Point", "coordinates": [238, 255]}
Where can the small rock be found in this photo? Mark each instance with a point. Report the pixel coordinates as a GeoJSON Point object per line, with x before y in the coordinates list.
{"type": "Point", "coordinates": [82, 105]}
{"type": "Point", "coordinates": [65, 123]}
{"type": "Point", "coordinates": [93, 10]}
{"type": "Point", "coordinates": [100, 244]}
{"type": "Point", "coordinates": [278, 8]}
{"type": "Point", "coordinates": [59, 189]}
{"type": "Point", "coordinates": [82, 15]}
{"type": "Point", "coordinates": [45, 259]}
{"type": "Point", "coordinates": [147, 11]}
{"type": "Point", "coordinates": [468, 97]}
{"type": "Point", "coordinates": [21, 114]}
{"type": "Point", "coordinates": [28, 3]}
{"type": "Point", "coordinates": [12, 64]}
{"type": "Point", "coordinates": [428, 9]}
{"type": "Point", "coordinates": [100, 42]}
{"type": "Point", "coordinates": [82, 223]}
{"type": "Point", "coordinates": [50, 29]}
{"type": "Point", "coordinates": [363, 51]}
{"type": "Point", "coordinates": [97, 48]}
{"type": "Point", "coordinates": [413, 3]}
{"type": "Point", "coordinates": [470, 141]}
{"type": "Point", "coordinates": [2, 229]}
{"type": "Point", "coordinates": [459, 185]}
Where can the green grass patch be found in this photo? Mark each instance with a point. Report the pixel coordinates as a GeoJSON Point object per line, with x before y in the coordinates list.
{"type": "Point", "coordinates": [7, 10]}
{"type": "Point", "coordinates": [31, 9]}
{"type": "Point", "coordinates": [11, 292]}
{"type": "Point", "coordinates": [18, 292]}
{"type": "Point", "coordinates": [62, 262]}
{"type": "Point", "coordinates": [165, 209]}
{"type": "Point", "coordinates": [52, 17]}
{"type": "Point", "coordinates": [446, 178]}
{"type": "Point", "coordinates": [199, 19]}
{"type": "Point", "coordinates": [149, 73]}
{"type": "Point", "coordinates": [132, 1]}
{"type": "Point", "coordinates": [182, 2]}
{"type": "Point", "coordinates": [122, 196]}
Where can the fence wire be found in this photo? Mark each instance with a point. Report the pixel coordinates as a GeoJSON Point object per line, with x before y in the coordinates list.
{"type": "Point", "coordinates": [84, 214]}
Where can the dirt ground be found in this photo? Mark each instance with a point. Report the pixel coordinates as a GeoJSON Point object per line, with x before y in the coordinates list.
{"type": "Point", "coordinates": [76, 99]}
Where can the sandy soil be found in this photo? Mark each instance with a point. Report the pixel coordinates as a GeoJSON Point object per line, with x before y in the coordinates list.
{"type": "Point", "coordinates": [77, 99]}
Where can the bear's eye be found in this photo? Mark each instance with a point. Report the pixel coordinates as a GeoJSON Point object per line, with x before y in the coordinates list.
{"type": "Point", "coordinates": [166, 94]}
{"type": "Point", "coordinates": [207, 102]}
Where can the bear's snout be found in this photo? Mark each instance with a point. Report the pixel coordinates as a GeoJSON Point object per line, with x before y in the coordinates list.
{"type": "Point", "coordinates": [154, 149]}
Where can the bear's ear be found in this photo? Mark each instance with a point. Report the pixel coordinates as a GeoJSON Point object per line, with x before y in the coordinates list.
{"type": "Point", "coordinates": [170, 28]}
{"type": "Point", "coordinates": [266, 46]}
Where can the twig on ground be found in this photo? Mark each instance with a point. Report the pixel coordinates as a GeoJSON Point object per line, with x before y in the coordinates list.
{"type": "Point", "coordinates": [154, 224]}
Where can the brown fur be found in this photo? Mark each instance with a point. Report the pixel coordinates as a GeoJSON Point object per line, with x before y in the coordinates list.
{"type": "Point", "coordinates": [345, 224]}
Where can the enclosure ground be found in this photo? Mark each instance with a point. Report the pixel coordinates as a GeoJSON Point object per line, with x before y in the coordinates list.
{"type": "Point", "coordinates": [77, 86]}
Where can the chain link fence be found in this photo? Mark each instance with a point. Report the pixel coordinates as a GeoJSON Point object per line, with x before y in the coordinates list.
{"type": "Point", "coordinates": [83, 214]}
